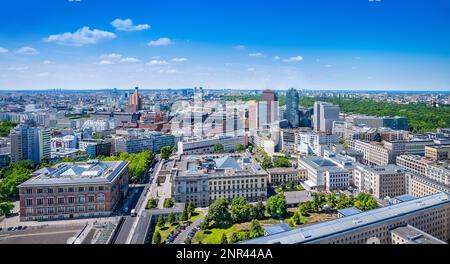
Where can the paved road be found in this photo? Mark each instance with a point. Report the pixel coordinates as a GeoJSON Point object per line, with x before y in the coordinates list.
{"type": "Point", "coordinates": [129, 225]}
{"type": "Point", "coordinates": [184, 233]}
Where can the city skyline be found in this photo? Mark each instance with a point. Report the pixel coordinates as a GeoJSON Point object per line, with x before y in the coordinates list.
{"type": "Point", "coordinates": [373, 45]}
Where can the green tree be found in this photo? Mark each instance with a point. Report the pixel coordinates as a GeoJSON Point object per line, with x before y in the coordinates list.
{"type": "Point", "coordinates": [165, 152]}
{"type": "Point", "coordinates": [156, 237]}
{"type": "Point", "coordinates": [234, 238]}
{"type": "Point", "coordinates": [332, 201]}
{"type": "Point", "coordinates": [171, 218]}
{"type": "Point", "coordinates": [161, 222]}
{"type": "Point", "coordinates": [365, 202]}
{"type": "Point", "coordinates": [267, 163]}
{"type": "Point", "coordinates": [184, 215]}
{"type": "Point", "coordinates": [224, 239]}
{"type": "Point", "coordinates": [296, 219]}
{"type": "Point", "coordinates": [188, 241]}
{"type": "Point", "coordinates": [280, 162]}
{"type": "Point", "coordinates": [305, 207]}
{"type": "Point", "coordinates": [258, 211]}
{"type": "Point", "coordinates": [255, 229]}
{"type": "Point", "coordinates": [190, 208]}
{"type": "Point", "coordinates": [218, 213]}
{"type": "Point", "coordinates": [168, 203]}
{"type": "Point", "coordinates": [152, 203]}
{"type": "Point", "coordinates": [240, 148]}
{"type": "Point", "coordinates": [218, 148]}
{"type": "Point", "coordinates": [240, 210]}
{"type": "Point", "coordinates": [276, 206]}
{"type": "Point", "coordinates": [6, 208]}
{"type": "Point", "coordinates": [204, 224]}
{"type": "Point", "coordinates": [318, 201]}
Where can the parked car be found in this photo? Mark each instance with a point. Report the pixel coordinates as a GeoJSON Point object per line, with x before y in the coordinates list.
{"type": "Point", "coordinates": [10, 228]}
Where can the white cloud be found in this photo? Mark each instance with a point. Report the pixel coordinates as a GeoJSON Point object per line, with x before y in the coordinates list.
{"type": "Point", "coordinates": [156, 57]}
{"type": "Point", "coordinates": [276, 57]}
{"type": "Point", "coordinates": [111, 56]}
{"type": "Point", "coordinates": [3, 50]}
{"type": "Point", "coordinates": [294, 59]}
{"type": "Point", "coordinates": [168, 71]}
{"type": "Point", "coordinates": [127, 25]}
{"type": "Point", "coordinates": [106, 62]}
{"type": "Point", "coordinates": [251, 69]}
{"type": "Point", "coordinates": [240, 47]}
{"type": "Point", "coordinates": [179, 60]}
{"type": "Point", "coordinates": [256, 55]}
{"type": "Point", "coordinates": [129, 60]}
{"type": "Point", "coordinates": [27, 51]}
{"type": "Point", "coordinates": [160, 42]}
{"type": "Point", "coordinates": [157, 62]}
{"type": "Point", "coordinates": [328, 65]}
{"type": "Point", "coordinates": [81, 37]}
{"type": "Point", "coordinates": [47, 62]}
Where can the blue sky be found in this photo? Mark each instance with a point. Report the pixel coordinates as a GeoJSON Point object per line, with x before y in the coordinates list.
{"type": "Point", "coordinates": [345, 44]}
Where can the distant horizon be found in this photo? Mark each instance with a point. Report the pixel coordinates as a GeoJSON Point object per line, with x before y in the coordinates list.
{"type": "Point", "coordinates": [220, 89]}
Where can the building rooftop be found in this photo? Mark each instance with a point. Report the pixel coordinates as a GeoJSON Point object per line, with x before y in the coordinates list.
{"type": "Point", "coordinates": [413, 235]}
{"type": "Point", "coordinates": [313, 232]}
{"type": "Point", "coordinates": [276, 228]}
{"type": "Point", "coordinates": [93, 171]}
{"type": "Point", "coordinates": [349, 211]}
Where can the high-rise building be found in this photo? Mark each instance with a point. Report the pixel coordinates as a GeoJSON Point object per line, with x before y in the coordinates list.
{"type": "Point", "coordinates": [135, 101]}
{"type": "Point", "coordinates": [44, 144]}
{"type": "Point", "coordinates": [29, 142]}
{"type": "Point", "coordinates": [324, 116]}
{"type": "Point", "coordinates": [292, 103]}
{"type": "Point", "coordinates": [269, 107]}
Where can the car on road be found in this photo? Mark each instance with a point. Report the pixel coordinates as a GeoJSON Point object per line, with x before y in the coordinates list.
{"type": "Point", "coordinates": [19, 228]}
{"type": "Point", "coordinates": [133, 213]}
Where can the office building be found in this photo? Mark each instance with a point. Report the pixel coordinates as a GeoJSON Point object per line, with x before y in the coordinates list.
{"type": "Point", "coordinates": [200, 146]}
{"type": "Point", "coordinates": [74, 190]}
{"type": "Point", "coordinates": [292, 104]}
{"type": "Point", "coordinates": [429, 214]}
{"type": "Point", "coordinates": [135, 101]}
{"type": "Point", "coordinates": [203, 179]}
{"type": "Point", "coordinates": [29, 143]}
{"type": "Point", "coordinates": [396, 123]}
{"type": "Point", "coordinates": [324, 174]}
{"type": "Point", "coordinates": [410, 235]}
{"type": "Point", "coordinates": [324, 116]}
{"type": "Point", "coordinates": [438, 152]}
{"type": "Point", "coordinates": [278, 176]}
{"type": "Point", "coordinates": [380, 181]}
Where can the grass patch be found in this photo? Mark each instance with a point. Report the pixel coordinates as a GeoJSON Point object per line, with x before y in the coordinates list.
{"type": "Point", "coordinates": [166, 230]}
{"type": "Point", "coordinates": [196, 215]}
{"type": "Point", "coordinates": [280, 189]}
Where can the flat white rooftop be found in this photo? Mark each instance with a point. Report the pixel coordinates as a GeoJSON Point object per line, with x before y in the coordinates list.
{"type": "Point", "coordinates": [311, 233]}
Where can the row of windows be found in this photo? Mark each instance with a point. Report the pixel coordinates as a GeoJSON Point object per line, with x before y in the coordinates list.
{"type": "Point", "coordinates": [237, 181]}
{"type": "Point", "coordinates": [62, 209]}
{"type": "Point", "coordinates": [62, 189]}
{"type": "Point", "coordinates": [62, 200]}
